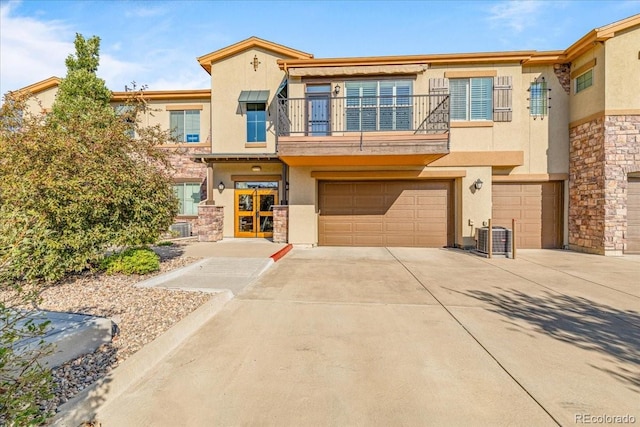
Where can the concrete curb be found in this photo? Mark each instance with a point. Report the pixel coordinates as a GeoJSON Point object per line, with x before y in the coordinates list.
{"type": "Point", "coordinates": [84, 406]}
{"type": "Point", "coordinates": [162, 278]}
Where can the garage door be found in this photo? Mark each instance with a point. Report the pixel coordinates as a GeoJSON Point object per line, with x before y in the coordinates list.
{"type": "Point", "coordinates": [537, 208]}
{"type": "Point", "coordinates": [385, 213]}
{"type": "Point", "coordinates": [633, 216]}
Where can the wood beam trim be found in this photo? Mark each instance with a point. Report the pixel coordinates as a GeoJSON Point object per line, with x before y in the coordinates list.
{"type": "Point", "coordinates": [468, 74]}
{"type": "Point", "coordinates": [259, 178]}
{"type": "Point", "coordinates": [373, 174]}
{"type": "Point", "coordinates": [176, 107]}
{"type": "Point", "coordinates": [583, 68]}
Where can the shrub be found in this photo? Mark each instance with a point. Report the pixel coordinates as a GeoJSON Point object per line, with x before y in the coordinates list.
{"type": "Point", "coordinates": [165, 243]}
{"type": "Point", "coordinates": [132, 261]}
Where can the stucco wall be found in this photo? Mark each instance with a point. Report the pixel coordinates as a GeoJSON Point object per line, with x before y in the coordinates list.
{"type": "Point", "coordinates": [303, 218]}
{"type": "Point", "coordinates": [42, 101]}
{"type": "Point", "coordinates": [592, 99]}
{"type": "Point", "coordinates": [622, 74]}
{"type": "Point", "coordinates": [228, 78]}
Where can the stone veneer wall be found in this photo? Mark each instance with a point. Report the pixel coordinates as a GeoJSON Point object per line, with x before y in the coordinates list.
{"type": "Point", "coordinates": [563, 73]}
{"type": "Point", "coordinates": [184, 167]}
{"type": "Point", "coordinates": [210, 223]}
{"type": "Point", "coordinates": [622, 154]}
{"type": "Point", "coordinates": [280, 224]}
{"type": "Point", "coordinates": [602, 152]}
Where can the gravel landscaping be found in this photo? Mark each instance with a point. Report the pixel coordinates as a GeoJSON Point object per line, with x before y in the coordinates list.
{"type": "Point", "coordinates": [141, 315]}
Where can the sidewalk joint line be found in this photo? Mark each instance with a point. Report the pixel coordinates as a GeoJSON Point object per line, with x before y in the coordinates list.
{"type": "Point", "coordinates": [475, 339]}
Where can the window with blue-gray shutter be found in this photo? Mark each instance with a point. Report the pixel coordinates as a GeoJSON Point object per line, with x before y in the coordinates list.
{"type": "Point", "coordinates": [471, 99]}
{"type": "Point", "coordinates": [475, 99]}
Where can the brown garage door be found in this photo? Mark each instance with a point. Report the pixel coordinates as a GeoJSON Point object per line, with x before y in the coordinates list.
{"type": "Point", "coordinates": [633, 216]}
{"type": "Point", "coordinates": [537, 208]}
{"type": "Point", "coordinates": [385, 213]}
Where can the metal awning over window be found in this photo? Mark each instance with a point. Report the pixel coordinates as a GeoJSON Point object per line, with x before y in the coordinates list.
{"type": "Point", "coordinates": [254, 96]}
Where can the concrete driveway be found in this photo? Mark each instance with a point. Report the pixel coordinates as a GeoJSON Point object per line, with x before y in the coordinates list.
{"type": "Point", "coordinates": [376, 336]}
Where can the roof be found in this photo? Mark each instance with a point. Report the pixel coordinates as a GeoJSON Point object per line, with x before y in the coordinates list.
{"type": "Point", "coordinates": [235, 157]}
{"type": "Point", "coordinates": [599, 35]}
{"type": "Point", "coordinates": [252, 42]}
{"type": "Point", "coordinates": [41, 86]}
{"type": "Point", "coordinates": [529, 57]}
{"type": "Point", "coordinates": [165, 95]}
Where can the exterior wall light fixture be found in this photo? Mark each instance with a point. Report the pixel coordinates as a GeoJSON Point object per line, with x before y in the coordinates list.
{"type": "Point", "coordinates": [221, 186]}
{"type": "Point", "coordinates": [478, 184]}
{"type": "Point", "coordinates": [336, 89]}
{"type": "Point", "coordinates": [256, 168]}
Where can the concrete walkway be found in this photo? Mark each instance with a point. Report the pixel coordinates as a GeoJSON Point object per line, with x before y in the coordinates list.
{"type": "Point", "coordinates": [376, 336]}
{"type": "Point", "coordinates": [226, 265]}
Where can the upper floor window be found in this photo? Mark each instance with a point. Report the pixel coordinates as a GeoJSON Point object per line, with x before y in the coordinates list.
{"type": "Point", "coordinates": [379, 105]}
{"type": "Point", "coordinates": [185, 125]}
{"type": "Point", "coordinates": [188, 194]}
{"type": "Point", "coordinates": [256, 122]}
{"type": "Point", "coordinates": [583, 81]}
{"type": "Point", "coordinates": [538, 98]}
{"type": "Point", "coordinates": [471, 99]}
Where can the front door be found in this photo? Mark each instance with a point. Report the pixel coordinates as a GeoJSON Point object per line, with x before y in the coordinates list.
{"type": "Point", "coordinates": [254, 212]}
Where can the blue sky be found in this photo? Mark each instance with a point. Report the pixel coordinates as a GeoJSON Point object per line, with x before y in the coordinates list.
{"type": "Point", "coordinates": [156, 42]}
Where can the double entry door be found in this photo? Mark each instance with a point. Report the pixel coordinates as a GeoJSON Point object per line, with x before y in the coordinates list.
{"type": "Point", "coordinates": [254, 212]}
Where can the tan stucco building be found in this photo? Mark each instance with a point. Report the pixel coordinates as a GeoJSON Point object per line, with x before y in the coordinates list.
{"type": "Point", "coordinates": [412, 150]}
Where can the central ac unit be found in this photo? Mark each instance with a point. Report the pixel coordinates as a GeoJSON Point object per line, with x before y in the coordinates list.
{"type": "Point", "coordinates": [502, 240]}
{"type": "Point", "coordinates": [183, 229]}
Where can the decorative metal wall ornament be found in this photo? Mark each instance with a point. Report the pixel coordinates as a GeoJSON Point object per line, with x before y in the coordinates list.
{"type": "Point", "coordinates": [255, 62]}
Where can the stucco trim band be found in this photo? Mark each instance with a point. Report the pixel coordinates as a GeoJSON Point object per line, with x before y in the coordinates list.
{"type": "Point", "coordinates": [539, 177]}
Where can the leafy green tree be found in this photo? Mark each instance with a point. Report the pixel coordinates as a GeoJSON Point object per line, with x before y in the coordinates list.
{"type": "Point", "coordinates": [72, 185]}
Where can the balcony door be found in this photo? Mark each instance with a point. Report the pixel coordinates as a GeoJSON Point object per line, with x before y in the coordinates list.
{"type": "Point", "coordinates": [318, 100]}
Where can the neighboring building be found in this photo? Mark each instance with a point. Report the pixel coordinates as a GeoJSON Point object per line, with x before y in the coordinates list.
{"type": "Point", "coordinates": [412, 150]}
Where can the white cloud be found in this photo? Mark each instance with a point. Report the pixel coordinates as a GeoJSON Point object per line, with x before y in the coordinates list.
{"type": "Point", "coordinates": [144, 12]}
{"type": "Point", "coordinates": [30, 50]}
{"type": "Point", "coordinates": [516, 15]}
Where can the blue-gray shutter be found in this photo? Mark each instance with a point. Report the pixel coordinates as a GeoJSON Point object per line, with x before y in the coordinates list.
{"type": "Point", "coordinates": [440, 87]}
{"type": "Point", "coordinates": [502, 98]}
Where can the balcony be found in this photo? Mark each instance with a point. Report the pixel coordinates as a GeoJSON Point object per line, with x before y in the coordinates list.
{"type": "Point", "coordinates": [379, 130]}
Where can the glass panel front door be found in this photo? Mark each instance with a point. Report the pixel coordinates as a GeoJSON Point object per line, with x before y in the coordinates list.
{"type": "Point", "coordinates": [254, 212]}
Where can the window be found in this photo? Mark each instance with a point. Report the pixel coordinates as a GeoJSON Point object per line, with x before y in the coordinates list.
{"type": "Point", "coordinates": [379, 105]}
{"type": "Point", "coordinates": [127, 111]}
{"type": "Point", "coordinates": [256, 122]}
{"type": "Point", "coordinates": [471, 99]}
{"type": "Point", "coordinates": [538, 98]}
{"type": "Point", "coordinates": [583, 81]}
{"type": "Point", "coordinates": [188, 194]}
{"type": "Point", "coordinates": [185, 125]}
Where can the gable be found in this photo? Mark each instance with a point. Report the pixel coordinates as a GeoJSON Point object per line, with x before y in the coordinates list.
{"type": "Point", "coordinates": [206, 61]}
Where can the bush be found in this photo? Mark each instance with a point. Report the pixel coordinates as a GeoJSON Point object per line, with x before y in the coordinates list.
{"type": "Point", "coordinates": [132, 261]}
{"type": "Point", "coordinates": [165, 243]}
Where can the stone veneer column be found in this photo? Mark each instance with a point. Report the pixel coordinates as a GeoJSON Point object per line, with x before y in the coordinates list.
{"type": "Point", "coordinates": [622, 154]}
{"type": "Point", "coordinates": [210, 223]}
{"type": "Point", "coordinates": [280, 224]}
{"type": "Point", "coordinates": [586, 187]}
{"type": "Point", "coordinates": [602, 152]}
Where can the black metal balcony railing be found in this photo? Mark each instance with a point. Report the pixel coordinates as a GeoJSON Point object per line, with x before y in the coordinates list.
{"type": "Point", "coordinates": [328, 116]}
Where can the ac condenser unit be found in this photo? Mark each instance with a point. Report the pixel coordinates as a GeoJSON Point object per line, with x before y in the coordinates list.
{"type": "Point", "coordinates": [502, 238]}
{"type": "Point", "coordinates": [182, 228]}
